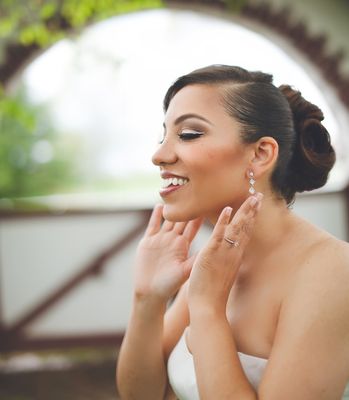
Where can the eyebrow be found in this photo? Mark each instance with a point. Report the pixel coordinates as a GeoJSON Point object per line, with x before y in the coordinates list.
{"type": "Point", "coordinates": [183, 117]}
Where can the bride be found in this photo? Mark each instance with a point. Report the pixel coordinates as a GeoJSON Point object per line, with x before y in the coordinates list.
{"type": "Point", "coordinates": [262, 311]}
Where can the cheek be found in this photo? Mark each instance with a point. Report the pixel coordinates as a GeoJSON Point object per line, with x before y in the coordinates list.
{"type": "Point", "coordinates": [221, 177]}
{"type": "Point", "coordinates": [217, 162]}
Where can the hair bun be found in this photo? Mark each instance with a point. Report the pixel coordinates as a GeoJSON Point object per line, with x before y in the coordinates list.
{"type": "Point", "coordinates": [313, 155]}
{"type": "Point", "coordinates": [301, 108]}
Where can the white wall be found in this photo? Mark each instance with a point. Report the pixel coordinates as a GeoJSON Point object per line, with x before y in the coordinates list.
{"type": "Point", "coordinates": [39, 254]}
{"type": "Point", "coordinates": [328, 211]}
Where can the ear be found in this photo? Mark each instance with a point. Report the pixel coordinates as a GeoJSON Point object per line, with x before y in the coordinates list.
{"type": "Point", "coordinates": [265, 154]}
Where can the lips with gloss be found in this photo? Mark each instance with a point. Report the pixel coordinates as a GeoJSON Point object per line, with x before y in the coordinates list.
{"type": "Point", "coordinates": [172, 184]}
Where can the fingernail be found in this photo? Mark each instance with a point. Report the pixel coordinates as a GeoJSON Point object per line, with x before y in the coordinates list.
{"type": "Point", "coordinates": [228, 210]}
{"type": "Point", "coordinates": [253, 201]}
{"type": "Point", "coordinates": [259, 196]}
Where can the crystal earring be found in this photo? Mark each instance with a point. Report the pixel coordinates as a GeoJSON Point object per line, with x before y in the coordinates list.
{"type": "Point", "coordinates": [252, 190]}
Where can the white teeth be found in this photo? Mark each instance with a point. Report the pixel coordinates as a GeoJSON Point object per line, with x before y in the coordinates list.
{"type": "Point", "coordinates": [174, 181]}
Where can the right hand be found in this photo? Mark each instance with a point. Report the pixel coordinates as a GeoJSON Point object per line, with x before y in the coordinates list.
{"type": "Point", "coordinates": [162, 262]}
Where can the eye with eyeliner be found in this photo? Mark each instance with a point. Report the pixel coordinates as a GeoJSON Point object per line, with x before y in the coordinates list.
{"type": "Point", "coordinates": [185, 135]}
{"type": "Point", "coordinates": [190, 134]}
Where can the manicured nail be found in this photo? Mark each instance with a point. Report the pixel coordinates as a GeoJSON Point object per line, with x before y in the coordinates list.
{"type": "Point", "coordinates": [259, 196]}
{"type": "Point", "coordinates": [228, 210]}
{"type": "Point", "coordinates": [253, 201]}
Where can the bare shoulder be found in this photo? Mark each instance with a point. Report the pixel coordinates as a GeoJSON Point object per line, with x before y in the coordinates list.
{"type": "Point", "coordinates": [323, 279]}
{"type": "Point", "coordinates": [334, 246]}
{"type": "Point", "coordinates": [327, 256]}
{"type": "Point", "coordinates": [311, 343]}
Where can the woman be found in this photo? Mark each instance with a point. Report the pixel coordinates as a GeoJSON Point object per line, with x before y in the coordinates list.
{"type": "Point", "coordinates": [262, 311]}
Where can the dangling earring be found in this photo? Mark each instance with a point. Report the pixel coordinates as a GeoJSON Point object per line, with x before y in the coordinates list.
{"type": "Point", "coordinates": [252, 190]}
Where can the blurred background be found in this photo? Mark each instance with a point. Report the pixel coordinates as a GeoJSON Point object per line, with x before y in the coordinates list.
{"type": "Point", "coordinates": [81, 88]}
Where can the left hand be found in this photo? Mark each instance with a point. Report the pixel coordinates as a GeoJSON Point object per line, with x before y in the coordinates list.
{"type": "Point", "coordinates": [216, 266]}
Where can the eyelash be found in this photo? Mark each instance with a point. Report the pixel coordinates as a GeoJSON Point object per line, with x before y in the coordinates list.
{"type": "Point", "coordinates": [190, 136]}
{"type": "Point", "coordinates": [186, 136]}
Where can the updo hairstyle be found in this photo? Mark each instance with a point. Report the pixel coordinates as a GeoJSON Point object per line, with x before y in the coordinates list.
{"type": "Point", "coordinates": [305, 152]}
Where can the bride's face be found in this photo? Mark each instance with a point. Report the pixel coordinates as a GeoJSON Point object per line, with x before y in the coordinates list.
{"type": "Point", "coordinates": [201, 158]}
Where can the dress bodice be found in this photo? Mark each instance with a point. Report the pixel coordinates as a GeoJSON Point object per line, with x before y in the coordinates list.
{"type": "Point", "coordinates": [182, 377]}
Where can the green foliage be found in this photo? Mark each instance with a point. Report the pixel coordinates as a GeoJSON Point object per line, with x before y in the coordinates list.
{"type": "Point", "coordinates": [25, 134]}
{"type": "Point", "coordinates": [235, 5]}
{"type": "Point", "coordinates": [43, 22]}
{"type": "Point", "coordinates": [33, 159]}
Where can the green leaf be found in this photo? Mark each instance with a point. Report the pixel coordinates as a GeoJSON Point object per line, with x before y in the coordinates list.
{"type": "Point", "coordinates": [48, 10]}
{"type": "Point", "coordinates": [6, 27]}
{"type": "Point", "coordinates": [36, 33]}
{"type": "Point", "coordinates": [235, 5]}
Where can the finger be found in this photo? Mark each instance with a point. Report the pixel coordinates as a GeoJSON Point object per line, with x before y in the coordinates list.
{"type": "Point", "coordinates": [188, 265]}
{"type": "Point", "coordinates": [168, 226]}
{"type": "Point", "coordinates": [192, 229]}
{"type": "Point", "coordinates": [248, 208]}
{"type": "Point", "coordinates": [240, 228]}
{"type": "Point", "coordinates": [221, 224]}
{"type": "Point", "coordinates": [179, 227]}
{"type": "Point", "coordinates": [154, 223]}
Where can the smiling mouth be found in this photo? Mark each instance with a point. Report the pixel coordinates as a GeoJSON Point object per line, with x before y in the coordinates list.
{"type": "Point", "coordinates": [174, 182]}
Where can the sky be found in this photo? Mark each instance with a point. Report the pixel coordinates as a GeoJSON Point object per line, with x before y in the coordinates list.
{"type": "Point", "coordinates": [107, 85]}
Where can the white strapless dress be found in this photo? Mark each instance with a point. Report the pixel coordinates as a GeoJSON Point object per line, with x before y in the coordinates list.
{"type": "Point", "coordinates": [182, 377]}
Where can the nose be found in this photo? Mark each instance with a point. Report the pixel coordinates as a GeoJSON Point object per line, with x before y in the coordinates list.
{"type": "Point", "coordinates": [165, 154]}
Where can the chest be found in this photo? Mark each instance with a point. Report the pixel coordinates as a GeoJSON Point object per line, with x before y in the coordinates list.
{"type": "Point", "coordinates": [253, 310]}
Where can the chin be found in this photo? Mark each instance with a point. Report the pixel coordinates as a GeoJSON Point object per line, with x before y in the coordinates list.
{"type": "Point", "coordinates": [175, 214]}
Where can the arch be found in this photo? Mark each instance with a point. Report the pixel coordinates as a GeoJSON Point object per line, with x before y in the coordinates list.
{"type": "Point", "coordinates": [276, 24]}
{"type": "Point", "coordinates": [295, 32]}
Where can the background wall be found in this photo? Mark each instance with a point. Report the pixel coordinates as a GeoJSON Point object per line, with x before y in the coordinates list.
{"type": "Point", "coordinates": [38, 255]}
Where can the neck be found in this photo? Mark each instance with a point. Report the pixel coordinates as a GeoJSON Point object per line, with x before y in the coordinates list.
{"type": "Point", "coordinates": [273, 221]}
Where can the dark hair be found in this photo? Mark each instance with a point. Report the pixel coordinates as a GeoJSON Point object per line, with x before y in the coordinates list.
{"type": "Point", "coordinates": [305, 152]}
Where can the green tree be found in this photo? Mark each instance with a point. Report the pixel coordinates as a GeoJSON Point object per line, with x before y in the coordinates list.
{"type": "Point", "coordinates": [34, 160]}
{"type": "Point", "coordinates": [28, 25]}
